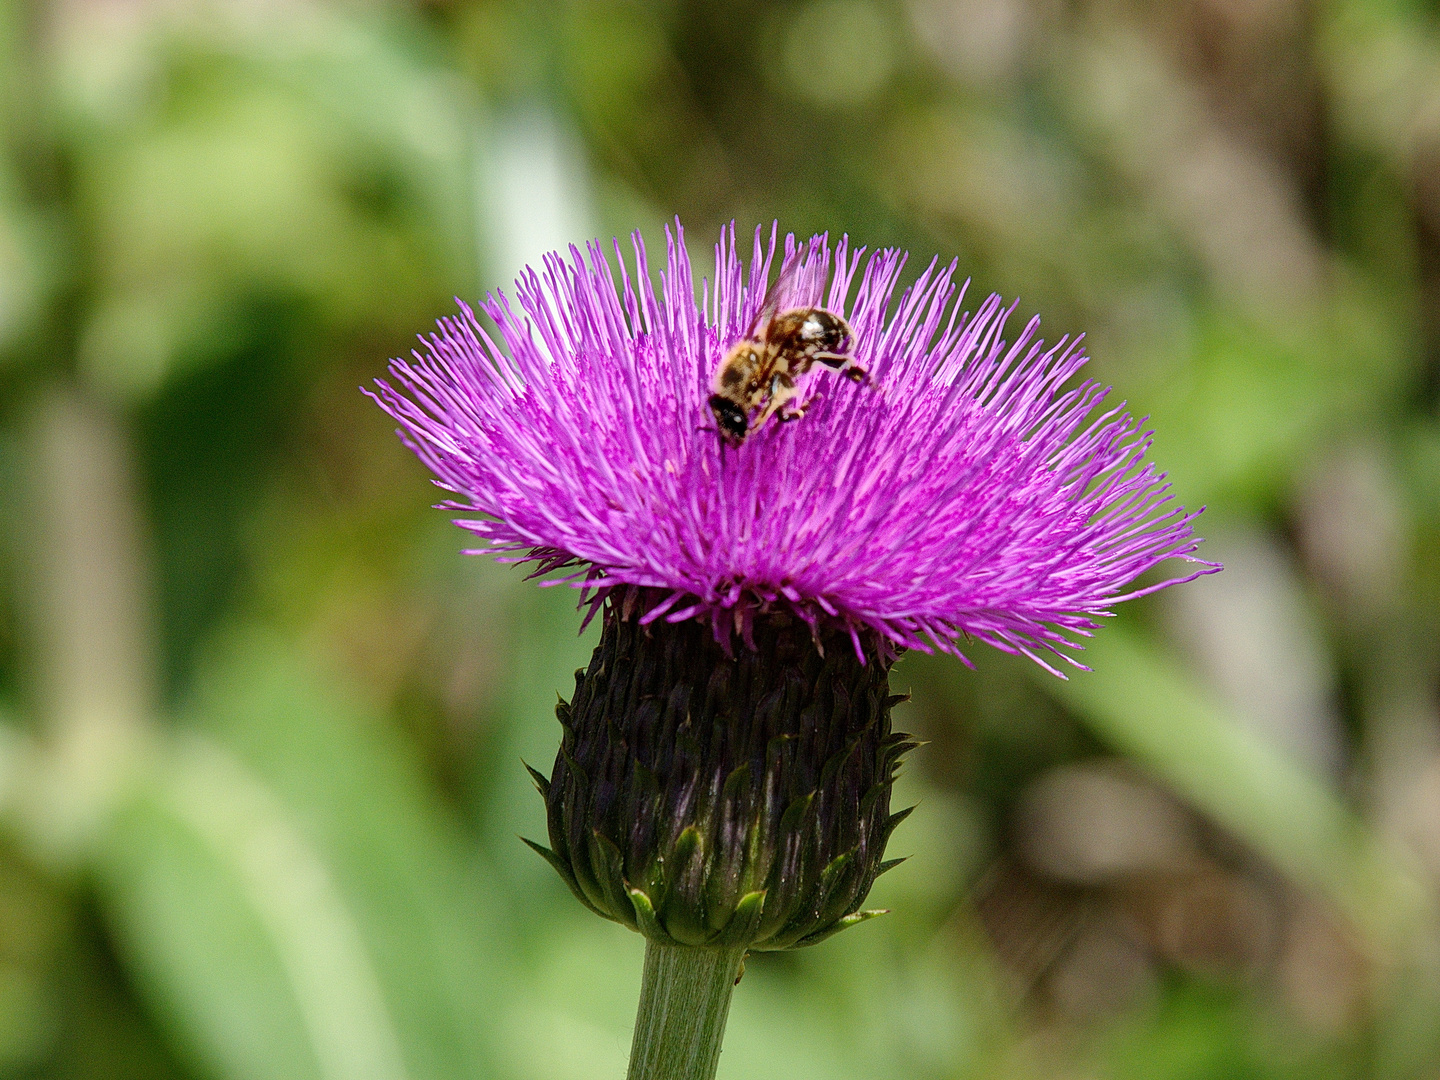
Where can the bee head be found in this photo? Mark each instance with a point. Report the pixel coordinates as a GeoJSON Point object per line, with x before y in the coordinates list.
{"type": "Point", "coordinates": [730, 417]}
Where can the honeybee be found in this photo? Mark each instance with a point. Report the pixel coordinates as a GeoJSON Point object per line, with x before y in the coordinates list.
{"type": "Point", "coordinates": [760, 370]}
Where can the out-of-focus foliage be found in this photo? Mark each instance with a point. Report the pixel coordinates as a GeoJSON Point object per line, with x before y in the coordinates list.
{"type": "Point", "coordinates": [261, 726]}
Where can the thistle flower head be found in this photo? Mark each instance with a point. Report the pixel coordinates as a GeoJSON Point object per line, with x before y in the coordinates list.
{"type": "Point", "coordinates": [969, 490]}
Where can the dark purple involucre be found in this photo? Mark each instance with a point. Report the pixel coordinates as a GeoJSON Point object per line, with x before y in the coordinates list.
{"type": "Point", "coordinates": [965, 493]}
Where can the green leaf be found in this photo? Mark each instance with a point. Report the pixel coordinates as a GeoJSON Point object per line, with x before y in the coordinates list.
{"type": "Point", "coordinates": [1144, 704]}
{"type": "Point", "coordinates": [335, 172]}
{"type": "Point", "coordinates": [367, 919]}
{"type": "Point", "coordinates": [239, 932]}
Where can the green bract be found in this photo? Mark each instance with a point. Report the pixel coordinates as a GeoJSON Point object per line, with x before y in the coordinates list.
{"type": "Point", "coordinates": [713, 798]}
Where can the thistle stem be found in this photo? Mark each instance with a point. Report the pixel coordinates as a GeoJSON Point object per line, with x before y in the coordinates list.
{"type": "Point", "coordinates": [684, 1001]}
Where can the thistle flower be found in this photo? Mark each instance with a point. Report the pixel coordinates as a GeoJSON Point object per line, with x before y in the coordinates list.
{"type": "Point", "coordinates": [725, 769]}
{"type": "Point", "coordinates": [968, 494]}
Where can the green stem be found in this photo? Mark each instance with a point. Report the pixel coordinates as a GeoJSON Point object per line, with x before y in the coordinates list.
{"type": "Point", "coordinates": [684, 1000]}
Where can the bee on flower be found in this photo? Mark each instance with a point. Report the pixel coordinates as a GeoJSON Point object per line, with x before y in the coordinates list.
{"type": "Point", "coordinates": [726, 760]}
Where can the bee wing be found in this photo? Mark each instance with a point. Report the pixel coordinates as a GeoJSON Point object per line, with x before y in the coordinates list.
{"type": "Point", "coordinates": [775, 295]}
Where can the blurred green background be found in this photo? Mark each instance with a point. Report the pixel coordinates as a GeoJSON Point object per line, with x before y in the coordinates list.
{"type": "Point", "coordinates": [261, 727]}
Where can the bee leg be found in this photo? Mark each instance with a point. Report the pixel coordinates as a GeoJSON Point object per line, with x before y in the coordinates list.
{"type": "Point", "coordinates": [771, 408]}
{"type": "Point", "coordinates": [797, 408]}
{"type": "Point", "coordinates": [846, 365]}
{"type": "Point", "coordinates": [778, 404]}
{"type": "Point", "coordinates": [782, 392]}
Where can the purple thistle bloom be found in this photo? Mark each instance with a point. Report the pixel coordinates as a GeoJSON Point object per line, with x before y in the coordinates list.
{"type": "Point", "coordinates": [966, 493]}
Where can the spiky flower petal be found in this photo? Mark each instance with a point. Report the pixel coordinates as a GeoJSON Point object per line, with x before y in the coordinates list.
{"type": "Point", "coordinates": [971, 491]}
